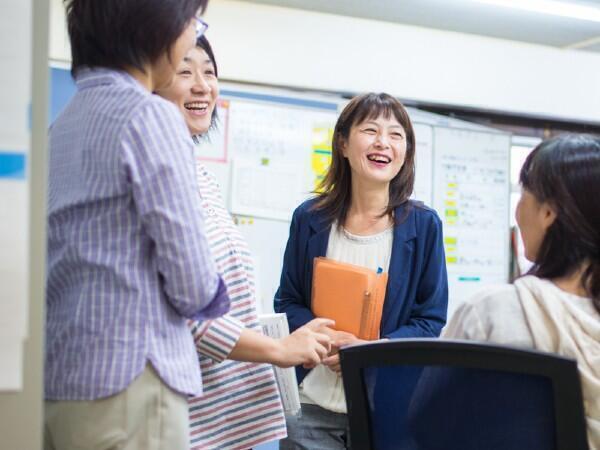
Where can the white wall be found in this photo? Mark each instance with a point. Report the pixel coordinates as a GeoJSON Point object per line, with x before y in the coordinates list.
{"type": "Point", "coordinates": [266, 44]}
{"type": "Point", "coordinates": [21, 411]}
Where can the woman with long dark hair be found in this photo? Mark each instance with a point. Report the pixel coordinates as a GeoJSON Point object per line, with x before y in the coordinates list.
{"type": "Point", "coordinates": [363, 216]}
{"type": "Point", "coordinates": [556, 306]}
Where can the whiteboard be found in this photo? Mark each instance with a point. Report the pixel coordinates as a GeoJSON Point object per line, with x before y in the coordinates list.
{"type": "Point", "coordinates": [269, 152]}
{"type": "Point", "coordinates": [423, 190]}
{"type": "Point", "coordinates": [268, 128]}
{"type": "Point", "coordinates": [471, 195]}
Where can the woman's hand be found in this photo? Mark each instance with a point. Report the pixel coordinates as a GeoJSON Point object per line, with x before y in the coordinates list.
{"type": "Point", "coordinates": [341, 339]}
{"type": "Point", "coordinates": [308, 345]}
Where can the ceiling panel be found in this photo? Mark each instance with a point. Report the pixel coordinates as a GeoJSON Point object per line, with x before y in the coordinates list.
{"type": "Point", "coordinates": [464, 16]}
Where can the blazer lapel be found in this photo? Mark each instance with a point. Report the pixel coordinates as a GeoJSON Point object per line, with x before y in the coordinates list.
{"type": "Point", "coordinates": [317, 245]}
{"type": "Point", "coordinates": [400, 261]}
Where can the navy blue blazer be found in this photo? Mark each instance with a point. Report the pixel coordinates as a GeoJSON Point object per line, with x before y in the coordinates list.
{"type": "Point", "coordinates": [416, 299]}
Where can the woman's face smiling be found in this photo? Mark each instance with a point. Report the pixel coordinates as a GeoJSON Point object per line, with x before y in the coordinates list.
{"type": "Point", "coordinates": [194, 90]}
{"type": "Point", "coordinates": [376, 149]}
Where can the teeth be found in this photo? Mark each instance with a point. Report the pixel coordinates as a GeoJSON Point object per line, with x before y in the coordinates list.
{"type": "Point", "coordinates": [196, 105]}
{"type": "Point", "coordinates": [379, 158]}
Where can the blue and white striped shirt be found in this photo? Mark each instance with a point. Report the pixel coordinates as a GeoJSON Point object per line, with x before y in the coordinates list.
{"type": "Point", "coordinates": [128, 260]}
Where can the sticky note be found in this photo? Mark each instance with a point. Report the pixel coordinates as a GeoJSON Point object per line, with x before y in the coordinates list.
{"type": "Point", "coordinates": [12, 165]}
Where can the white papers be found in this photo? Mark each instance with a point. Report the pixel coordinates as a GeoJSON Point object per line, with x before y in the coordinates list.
{"type": "Point", "coordinates": [272, 191]}
{"type": "Point", "coordinates": [276, 326]}
{"type": "Point", "coordinates": [471, 185]}
{"type": "Point", "coordinates": [423, 163]}
{"type": "Point", "coordinates": [276, 132]}
{"type": "Point", "coordinates": [213, 145]}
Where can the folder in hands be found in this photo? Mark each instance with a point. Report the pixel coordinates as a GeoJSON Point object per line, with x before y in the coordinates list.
{"type": "Point", "coordinates": [351, 295]}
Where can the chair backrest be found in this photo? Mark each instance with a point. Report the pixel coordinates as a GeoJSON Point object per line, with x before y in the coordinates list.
{"type": "Point", "coordinates": [433, 394]}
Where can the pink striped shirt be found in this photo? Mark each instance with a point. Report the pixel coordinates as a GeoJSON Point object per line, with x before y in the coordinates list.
{"type": "Point", "coordinates": [240, 407]}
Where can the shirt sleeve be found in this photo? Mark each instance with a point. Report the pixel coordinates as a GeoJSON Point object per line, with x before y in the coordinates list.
{"type": "Point", "coordinates": [216, 338]}
{"type": "Point", "coordinates": [158, 163]}
{"type": "Point", "coordinates": [465, 324]}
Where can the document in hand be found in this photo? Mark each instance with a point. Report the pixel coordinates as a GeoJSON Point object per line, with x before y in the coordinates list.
{"type": "Point", "coordinates": [276, 326]}
{"type": "Point", "coordinates": [351, 295]}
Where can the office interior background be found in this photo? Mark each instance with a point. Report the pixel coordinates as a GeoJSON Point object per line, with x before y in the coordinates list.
{"type": "Point", "coordinates": [485, 80]}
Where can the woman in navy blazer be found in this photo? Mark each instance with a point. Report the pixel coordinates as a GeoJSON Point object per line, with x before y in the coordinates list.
{"type": "Point", "coordinates": [365, 193]}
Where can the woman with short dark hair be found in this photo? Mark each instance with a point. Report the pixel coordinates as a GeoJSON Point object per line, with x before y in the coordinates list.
{"type": "Point", "coordinates": [240, 408]}
{"type": "Point", "coordinates": [556, 307]}
{"type": "Point", "coordinates": [128, 260]}
{"type": "Point", "coordinates": [363, 216]}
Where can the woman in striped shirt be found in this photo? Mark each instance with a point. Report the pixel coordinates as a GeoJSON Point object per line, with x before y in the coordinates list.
{"type": "Point", "coordinates": [240, 407]}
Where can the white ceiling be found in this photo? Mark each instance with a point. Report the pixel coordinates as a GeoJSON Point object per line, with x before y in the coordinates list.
{"type": "Point", "coordinates": [467, 16]}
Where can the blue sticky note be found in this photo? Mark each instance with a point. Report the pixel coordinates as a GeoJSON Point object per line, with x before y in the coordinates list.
{"type": "Point", "coordinates": [12, 165]}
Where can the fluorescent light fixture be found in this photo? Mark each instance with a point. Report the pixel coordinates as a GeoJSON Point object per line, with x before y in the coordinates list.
{"type": "Point", "coordinates": [551, 7]}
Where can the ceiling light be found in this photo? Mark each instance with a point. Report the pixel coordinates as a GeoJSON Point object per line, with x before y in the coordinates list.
{"type": "Point", "coordinates": [551, 7]}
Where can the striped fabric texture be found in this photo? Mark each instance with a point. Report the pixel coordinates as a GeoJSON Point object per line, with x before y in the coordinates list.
{"type": "Point", "coordinates": [128, 259]}
{"type": "Point", "coordinates": [240, 407]}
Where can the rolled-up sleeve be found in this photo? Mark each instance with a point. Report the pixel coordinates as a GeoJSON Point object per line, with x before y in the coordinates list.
{"type": "Point", "coordinates": [216, 338]}
{"type": "Point", "coordinates": [158, 160]}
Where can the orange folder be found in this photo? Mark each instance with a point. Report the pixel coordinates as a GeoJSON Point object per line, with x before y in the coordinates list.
{"type": "Point", "coordinates": [351, 295]}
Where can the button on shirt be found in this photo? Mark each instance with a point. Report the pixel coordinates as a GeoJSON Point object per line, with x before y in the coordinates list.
{"type": "Point", "coordinates": [128, 260]}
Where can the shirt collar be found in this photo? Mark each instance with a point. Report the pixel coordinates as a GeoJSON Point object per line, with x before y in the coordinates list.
{"type": "Point", "coordinates": [88, 77]}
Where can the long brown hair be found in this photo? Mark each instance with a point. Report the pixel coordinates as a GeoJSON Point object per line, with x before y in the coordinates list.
{"type": "Point", "coordinates": [565, 172]}
{"type": "Point", "coordinates": [335, 191]}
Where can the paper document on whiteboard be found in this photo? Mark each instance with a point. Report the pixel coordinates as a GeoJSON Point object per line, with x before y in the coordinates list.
{"type": "Point", "coordinates": [271, 191]}
{"type": "Point", "coordinates": [276, 326]}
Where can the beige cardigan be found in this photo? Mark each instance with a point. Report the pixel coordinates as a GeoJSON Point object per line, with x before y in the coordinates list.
{"type": "Point", "coordinates": [535, 313]}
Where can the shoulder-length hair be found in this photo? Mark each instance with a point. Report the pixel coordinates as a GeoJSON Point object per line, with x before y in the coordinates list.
{"type": "Point", "coordinates": [565, 172]}
{"type": "Point", "coordinates": [335, 191]}
{"type": "Point", "coordinates": [118, 34]}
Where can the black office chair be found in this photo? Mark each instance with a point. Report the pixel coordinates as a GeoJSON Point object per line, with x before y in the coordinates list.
{"type": "Point", "coordinates": [432, 394]}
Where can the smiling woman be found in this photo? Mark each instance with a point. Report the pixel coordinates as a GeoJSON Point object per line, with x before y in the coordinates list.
{"type": "Point", "coordinates": [241, 394]}
{"type": "Point", "coordinates": [363, 216]}
{"type": "Point", "coordinates": [196, 89]}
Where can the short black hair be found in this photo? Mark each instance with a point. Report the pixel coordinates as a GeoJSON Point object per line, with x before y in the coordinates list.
{"type": "Point", "coordinates": [125, 33]}
{"type": "Point", "coordinates": [203, 43]}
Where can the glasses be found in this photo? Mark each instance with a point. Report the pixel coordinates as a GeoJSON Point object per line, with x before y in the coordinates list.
{"type": "Point", "coordinates": [201, 27]}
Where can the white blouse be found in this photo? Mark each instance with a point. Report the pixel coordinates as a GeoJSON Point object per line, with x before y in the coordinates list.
{"type": "Point", "coordinates": [322, 386]}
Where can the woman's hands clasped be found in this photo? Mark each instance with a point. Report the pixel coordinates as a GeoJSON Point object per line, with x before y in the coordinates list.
{"type": "Point", "coordinates": [339, 339]}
